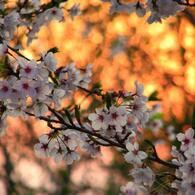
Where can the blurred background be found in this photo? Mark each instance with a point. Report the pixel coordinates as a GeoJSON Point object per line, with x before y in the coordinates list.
{"type": "Point", "coordinates": [122, 48]}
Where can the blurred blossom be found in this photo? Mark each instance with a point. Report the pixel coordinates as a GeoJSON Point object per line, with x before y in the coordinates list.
{"type": "Point", "coordinates": [74, 11]}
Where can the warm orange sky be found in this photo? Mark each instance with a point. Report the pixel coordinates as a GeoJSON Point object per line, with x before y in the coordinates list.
{"type": "Point", "coordinates": [152, 54]}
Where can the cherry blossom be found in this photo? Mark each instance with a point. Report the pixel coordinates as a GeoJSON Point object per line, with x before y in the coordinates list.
{"type": "Point", "coordinates": [163, 8]}
{"type": "Point", "coordinates": [58, 153]}
{"type": "Point", "coordinates": [159, 9]}
{"type": "Point", "coordinates": [140, 9]}
{"type": "Point", "coordinates": [134, 155]}
{"type": "Point", "coordinates": [117, 7]}
{"type": "Point", "coordinates": [26, 87]}
{"type": "Point", "coordinates": [186, 139]}
{"type": "Point", "coordinates": [138, 108]}
{"type": "Point", "coordinates": [2, 127]}
{"type": "Point", "coordinates": [70, 157]}
{"type": "Point", "coordinates": [42, 148]}
{"type": "Point", "coordinates": [28, 69]}
{"type": "Point", "coordinates": [99, 119]}
{"type": "Point", "coordinates": [143, 176]}
{"type": "Point", "coordinates": [70, 138]}
{"type": "Point", "coordinates": [10, 22]}
{"type": "Point", "coordinates": [3, 49]}
{"type": "Point", "coordinates": [5, 90]}
{"type": "Point", "coordinates": [40, 109]}
{"type": "Point", "coordinates": [74, 11]}
{"type": "Point", "coordinates": [132, 188]}
{"type": "Point", "coordinates": [50, 61]}
{"type": "Point", "coordinates": [118, 117]}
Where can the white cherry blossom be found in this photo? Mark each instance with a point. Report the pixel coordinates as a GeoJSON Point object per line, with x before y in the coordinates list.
{"type": "Point", "coordinates": [118, 117]}
{"type": "Point", "coordinates": [69, 138]}
{"type": "Point", "coordinates": [118, 7]}
{"type": "Point", "coordinates": [143, 176]}
{"type": "Point", "coordinates": [58, 153]}
{"type": "Point", "coordinates": [186, 139]}
{"type": "Point", "coordinates": [10, 22]}
{"type": "Point", "coordinates": [70, 157]}
{"type": "Point", "coordinates": [3, 49]}
{"type": "Point", "coordinates": [28, 69]}
{"type": "Point", "coordinates": [42, 148]}
{"type": "Point", "coordinates": [2, 127]}
{"type": "Point", "coordinates": [138, 108]}
{"type": "Point", "coordinates": [134, 155]}
{"type": "Point", "coordinates": [133, 189]}
{"type": "Point", "coordinates": [99, 119]}
{"type": "Point", "coordinates": [5, 90]}
{"type": "Point", "coordinates": [26, 87]}
{"type": "Point", "coordinates": [164, 8]}
{"type": "Point", "coordinates": [50, 61]}
{"type": "Point", "coordinates": [40, 109]}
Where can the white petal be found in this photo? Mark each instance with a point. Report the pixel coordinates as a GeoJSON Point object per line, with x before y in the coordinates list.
{"type": "Point", "coordinates": [129, 146]}
{"type": "Point", "coordinates": [128, 157]}
{"type": "Point", "coordinates": [190, 133]}
{"type": "Point", "coordinates": [44, 138]}
{"type": "Point", "coordinates": [92, 116]}
{"type": "Point", "coordinates": [96, 125]}
{"type": "Point", "coordinates": [142, 155]}
{"type": "Point", "coordinates": [180, 137]}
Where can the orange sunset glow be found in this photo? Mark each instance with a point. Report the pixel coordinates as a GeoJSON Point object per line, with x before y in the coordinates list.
{"type": "Point", "coordinates": [123, 48]}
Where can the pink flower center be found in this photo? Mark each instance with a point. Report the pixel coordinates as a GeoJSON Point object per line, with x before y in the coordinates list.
{"type": "Point", "coordinates": [135, 107]}
{"type": "Point", "coordinates": [135, 152]}
{"type": "Point", "coordinates": [60, 150]}
{"type": "Point", "coordinates": [25, 86]}
{"type": "Point", "coordinates": [193, 186]}
{"type": "Point", "coordinates": [44, 146]}
{"type": "Point", "coordinates": [66, 138]}
{"type": "Point", "coordinates": [5, 50]}
{"type": "Point", "coordinates": [191, 168]}
{"type": "Point", "coordinates": [27, 69]}
{"type": "Point", "coordinates": [14, 91]}
{"type": "Point", "coordinates": [37, 89]}
{"type": "Point", "coordinates": [155, 124]}
{"type": "Point", "coordinates": [101, 118]}
{"type": "Point", "coordinates": [53, 12]}
{"type": "Point", "coordinates": [5, 88]}
{"type": "Point", "coordinates": [114, 115]}
{"type": "Point", "coordinates": [186, 141]}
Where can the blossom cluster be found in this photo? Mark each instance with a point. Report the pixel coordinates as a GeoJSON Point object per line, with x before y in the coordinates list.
{"type": "Point", "coordinates": [158, 9]}
{"type": "Point", "coordinates": [156, 124]}
{"type": "Point", "coordinates": [32, 15]}
{"type": "Point", "coordinates": [183, 181]}
{"type": "Point", "coordinates": [124, 118]}
{"type": "Point", "coordinates": [184, 159]}
{"type": "Point", "coordinates": [31, 86]}
{"type": "Point", "coordinates": [117, 124]}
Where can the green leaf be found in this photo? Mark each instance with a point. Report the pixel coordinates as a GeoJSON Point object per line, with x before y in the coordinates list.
{"type": "Point", "coordinates": [5, 68]}
{"type": "Point", "coordinates": [157, 116]}
{"type": "Point", "coordinates": [53, 50]}
{"type": "Point", "coordinates": [193, 118]}
{"type": "Point", "coordinates": [97, 88]}
{"type": "Point", "coordinates": [153, 96]}
{"type": "Point", "coordinates": [77, 114]}
{"type": "Point", "coordinates": [108, 100]}
{"type": "Point", "coordinates": [68, 115]}
{"type": "Point", "coordinates": [98, 53]}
